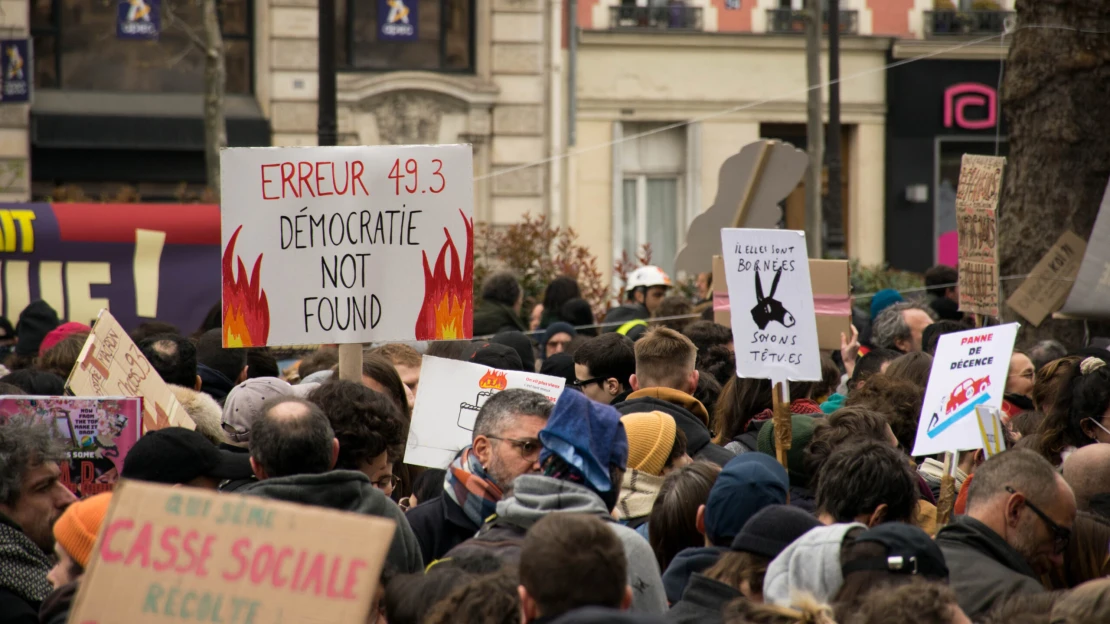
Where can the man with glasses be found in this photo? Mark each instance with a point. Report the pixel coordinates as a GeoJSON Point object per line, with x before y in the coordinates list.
{"type": "Point", "coordinates": [504, 445]}
{"type": "Point", "coordinates": [1018, 525]}
{"type": "Point", "coordinates": [603, 366]}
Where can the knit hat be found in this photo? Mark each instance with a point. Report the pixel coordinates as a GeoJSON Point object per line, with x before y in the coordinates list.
{"type": "Point", "coordinates": [747, 484]}
{"type": "Point", "coordinates": [811, 564]}
{"type": "Point", "coordinates": [78, 526]}
{"type": "Point", "coordinates": [883, 300]}
{"type": "Point", "coordinates": [588, 436]}
{"type": "Point", "coordinates": [650, 440]}
{"type": "Point", "coordinates": [175, 455]}
{"type": "Point", "coordinates": [555, 328]}
{"type": "Point", "coordinates": [60, 332]}
{"type": "Point", "coordinates": [771, 530]}
{"type": "Point", "coordinates": [561, 365]}
{"type": "Point", "coordinates": [35, 322]}
{"type": "Point", "coordinates": [6, 329]}
{"type": "Point", "coordinates": [909, 551]}
{"type": "Point", "coordinates": [244, 404]}
{"type": "Point", "coordinates": [520, 343]}
{"type": "Point", "coordinates": [801, 434]}
{"type": "Point", "coordinates": [494, 355]}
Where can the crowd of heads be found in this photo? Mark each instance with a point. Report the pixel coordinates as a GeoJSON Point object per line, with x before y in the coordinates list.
{"type": "Point", "coordinates": [653, 487]}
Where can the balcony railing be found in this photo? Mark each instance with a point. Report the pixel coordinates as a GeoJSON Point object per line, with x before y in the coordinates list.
{"type": "Point", "coordinates": [949, 23]}
{"type": "Point", "coordinates": [791, 21]}
{"type": "Point", "coordinates": [673, 17]}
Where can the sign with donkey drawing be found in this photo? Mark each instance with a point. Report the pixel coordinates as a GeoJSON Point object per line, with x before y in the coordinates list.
{"type": "Point", "coordinates": [771, 301]}
{"type": "Point", "coordinates": [450, 396]}
{"type": "Point", "coordinates": [347, 244]}
{"type": "Point", "coordinates": [969, 371]}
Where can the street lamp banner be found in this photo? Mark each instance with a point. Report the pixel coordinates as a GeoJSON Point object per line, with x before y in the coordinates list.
{"type": "Point", "coordinates": [138, 19]}
{"type": "Point", "coordinates": [15, 71]}
{"type": "Point", "coordinates": [397, 20]}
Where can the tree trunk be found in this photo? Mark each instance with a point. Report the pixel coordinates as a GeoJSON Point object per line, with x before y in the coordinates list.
{"type": "Point", "coordinates": [1055, 99]}
{"type": "Point", "coordinates": [215, 79]}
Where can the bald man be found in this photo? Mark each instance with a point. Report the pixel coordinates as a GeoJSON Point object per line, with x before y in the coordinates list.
{"type": "Point", "coordinates": [1087, 471]}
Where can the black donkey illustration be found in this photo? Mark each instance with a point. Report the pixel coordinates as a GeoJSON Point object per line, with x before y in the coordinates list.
{"type": "Point", "coordinates": [768, 308]}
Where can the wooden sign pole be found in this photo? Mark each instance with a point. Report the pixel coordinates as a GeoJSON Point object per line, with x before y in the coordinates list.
{"type": "Point", "coordinates": [784, 426]}
{"type": "Point", "coordinates": [350, 362]}
{"type": "Point", "coordinates": [947, 499]}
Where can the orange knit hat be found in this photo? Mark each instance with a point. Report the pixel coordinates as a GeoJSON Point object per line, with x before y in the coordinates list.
{"type": "Point", "coordinates": [79, 525]}
{"type": "Point", "coordinates": [650, 440]}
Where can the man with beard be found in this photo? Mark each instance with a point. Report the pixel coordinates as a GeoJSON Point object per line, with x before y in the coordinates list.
{"type": "Point", "coordinates": [32, 498]}
{"type": "Point", "coordinates": [505, 444]}
{"type": "Point", "coordinates": [1017, 527]}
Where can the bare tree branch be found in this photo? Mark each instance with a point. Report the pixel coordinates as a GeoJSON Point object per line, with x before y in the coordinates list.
{"type": "Point", "coordinates": [174, 21]}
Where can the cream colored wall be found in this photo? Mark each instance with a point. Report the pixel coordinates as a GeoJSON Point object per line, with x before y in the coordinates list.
{"type": "Point", "coordinates": [719, 140]}
{"type": "Point", "coordinates": [590, 212]}
{"type": "Point", "coordinates": [866, 225]}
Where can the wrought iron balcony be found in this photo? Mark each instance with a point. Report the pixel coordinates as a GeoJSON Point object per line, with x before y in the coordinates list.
{"type": "Point", "coordinates": [672, 17]}
{"type": "Point", "coordinates": [950, 23]}
{"type": "Point", "coordinates": [786, 21]}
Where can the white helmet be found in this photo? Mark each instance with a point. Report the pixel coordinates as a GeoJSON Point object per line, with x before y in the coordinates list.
{"type": "Point", "coordinates": [647, 276]}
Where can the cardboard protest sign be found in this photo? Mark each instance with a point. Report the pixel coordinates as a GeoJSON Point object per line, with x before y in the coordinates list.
{"type": "Point", "coordinates": [447, 403]}
{"type": "Point", "coordinates": [1091, 289]}
{"type": "Point", "coordinates": [969, 370]}
{"type": "Point", "coordinates": [771, 304]}
{"type": "Point", "coordinates": [141, 261]}
{"type": "Point", "coordinates": [186, 554]}
{"type": "Point", "coordinates": [347, 245]}
{"type": "Point", "coordinates": [751, 185]}
{"type": "Point", "coordinates": [977, 231]}
{"type": "Point", "coordinates": [97, 432]}
{"type": "Point", "coordinates": [832, 299]}
{"type": "Point", "coordinates": [111, 364]}
{"type": "Point", "coordinates": [1049, 283]}
{"type": "Point", "coordinates": [990, 431]}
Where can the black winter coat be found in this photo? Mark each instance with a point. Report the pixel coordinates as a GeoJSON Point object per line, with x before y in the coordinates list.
{"type": "Point", "coordinates": [440, 525]}
{"type": "Point", "coordinates": [702, 602]}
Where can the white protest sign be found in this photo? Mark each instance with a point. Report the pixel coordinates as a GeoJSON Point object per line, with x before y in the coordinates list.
{"type": "Point", "coordinates": [969, 371]}
{"type": "Point", "coordinates": [771, 299]}
{"type": "Point", "coordinates": [347, 244]}
{"type": "Point", "coordinates": [990, 431]}
{"type": "Point", "coordinates": [447, 403]}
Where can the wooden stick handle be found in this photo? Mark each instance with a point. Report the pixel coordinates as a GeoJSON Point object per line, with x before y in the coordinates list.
{"type": "Point", "coordinates": [784, 426]}
{"type": "Point", "coordinates": [350, 362]}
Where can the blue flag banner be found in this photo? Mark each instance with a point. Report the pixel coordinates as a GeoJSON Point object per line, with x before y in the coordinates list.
{"type": "Point", "coordinates": [397, 20]}
{"type": "Point", "coordinates": [15, 71]}
{"type": "Point", "coordinates": [138, 19]}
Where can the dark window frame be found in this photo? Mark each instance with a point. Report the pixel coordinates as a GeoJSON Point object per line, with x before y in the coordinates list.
{"type": "Point", "coordinates": [57, 32]}
{"type": "Point", "coordinates": [345, 63]}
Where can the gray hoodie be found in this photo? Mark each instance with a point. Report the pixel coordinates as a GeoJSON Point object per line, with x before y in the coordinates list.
{"type": "Point", "coordinates": [811, 565]}
{"type": "Point", "coordinates": [346, 490]}
{"type": "Point", "coordinates": [535, 496]}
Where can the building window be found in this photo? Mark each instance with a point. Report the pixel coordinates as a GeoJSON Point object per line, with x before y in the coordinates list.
{"type": "Point", "coordinates": [76, 48]}
{"type": "Point", "coordinates": [652, 170]}
{"type": "Point", "coordinates": [438, 35]}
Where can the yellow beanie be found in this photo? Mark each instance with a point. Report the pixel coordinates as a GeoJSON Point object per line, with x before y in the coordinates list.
{"type": "Point", "coordinates": [650, 440]}
{"type": "Point", "coordinates": [79, 525]}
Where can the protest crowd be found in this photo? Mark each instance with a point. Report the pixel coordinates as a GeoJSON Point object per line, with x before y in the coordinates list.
{"type": "Point", "coordinates": [651, 490]}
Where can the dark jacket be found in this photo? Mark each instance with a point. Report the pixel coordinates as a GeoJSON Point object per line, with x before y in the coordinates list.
{"type": "Point", "coordinates": [535, 496]}
{"type": "Point", "coordinates": [703, 601]}
{"type": "Point", "coordinates": [491, 318]}
{"type": "Point", "coordinates": [439, 526]}
{"type": "Point", "coordinates": [685, 564]}
{"type": "Point", "coordinates": [347, 490]}
{"type": "Point", "coordinates": [55, 609]}
{"type": "Point", "coordinates": [983, 569]}
{"type": "Point", "coordinates": [699, 444]}
{"type": "Point", "coordinates": [214, 383]}
{"type": "Point", "coordinates": [628, 311]}
{"type": "Point", "coordinates": [23, 570]}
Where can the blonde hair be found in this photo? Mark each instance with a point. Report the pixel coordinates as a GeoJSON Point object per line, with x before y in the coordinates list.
{"type": "Point", "coordinates": [806, 610]}
{"type": "Point", "coordinates": [1090, 602]}
{"type": "Point", "coordinates": [664, 359]}
{"type": "Point", "coordinates": [399, 354]}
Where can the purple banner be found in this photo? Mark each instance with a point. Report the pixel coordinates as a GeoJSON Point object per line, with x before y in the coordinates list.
{"type": "Point", "coordinates": [397, 20]}
{"type": "Point", "coordinates": [138, 19]}
{"type": "Point", "coordinates": [142, 261]}
{"type": "Point", "coordinates": [15, 71]}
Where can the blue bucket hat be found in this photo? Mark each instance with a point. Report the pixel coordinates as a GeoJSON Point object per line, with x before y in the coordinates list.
{"type": "Point", "coordinates": [588, 436]}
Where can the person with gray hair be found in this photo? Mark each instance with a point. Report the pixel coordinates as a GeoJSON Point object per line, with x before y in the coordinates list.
{"type": "Point", "coordinates": [293, 453]}
{"type": "Point", "coordinates": [505, 444]}
{"type": "Point", "coordinates": [1086, 470]}
{"type": "Point", "coordinates": [900, 326]}
{"type": "Point", "coordinates": [1046, 351]}
{"type": "Point", "coordinates": [1019, 518]}
{"type": "Point", "coordinates": [32, 498]}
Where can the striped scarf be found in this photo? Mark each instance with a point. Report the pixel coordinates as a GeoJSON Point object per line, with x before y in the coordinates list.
{"type": "Point", "coordinates": [471, 488]}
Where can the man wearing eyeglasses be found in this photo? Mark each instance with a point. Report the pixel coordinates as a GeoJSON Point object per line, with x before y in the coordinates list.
{"type": "Point", "coordinates": [602, 367]}
{"type": "Point", "coordinates": [1018, 524]}
{"type": "Point", "coordinates": [505, 444]}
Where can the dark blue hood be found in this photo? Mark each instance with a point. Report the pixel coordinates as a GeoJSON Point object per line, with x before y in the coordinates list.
{"type": "Point", "coordinates": [686, 563]}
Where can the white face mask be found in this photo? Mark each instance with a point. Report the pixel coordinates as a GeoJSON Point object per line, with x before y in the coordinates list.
{"type": "Point", "coordinates": [1099, 425]}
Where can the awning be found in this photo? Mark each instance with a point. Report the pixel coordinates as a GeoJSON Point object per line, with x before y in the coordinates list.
{"type": "Point", "coordinates": [138, 121]}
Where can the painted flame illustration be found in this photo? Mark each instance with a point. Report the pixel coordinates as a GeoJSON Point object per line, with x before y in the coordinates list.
{"type": "Point", "coordinates": [246, 311]}
{"type": "Point", "coordinates": [448, 312]}
{"type": "Point", "coordinates": [493, 380]}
